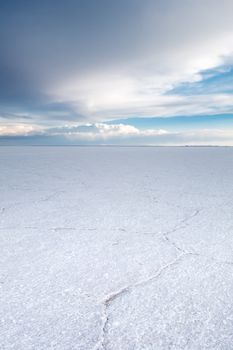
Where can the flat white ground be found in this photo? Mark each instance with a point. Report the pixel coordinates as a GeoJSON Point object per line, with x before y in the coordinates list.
{"type": "Point", "coordinates": [116, 248]}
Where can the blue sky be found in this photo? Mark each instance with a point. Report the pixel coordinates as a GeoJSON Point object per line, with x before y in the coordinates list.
{"type": "Point", "coordinates": [116, 72]}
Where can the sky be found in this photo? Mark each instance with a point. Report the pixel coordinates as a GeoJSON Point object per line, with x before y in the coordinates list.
{"type": "Point", "coordinates": [125, 72]}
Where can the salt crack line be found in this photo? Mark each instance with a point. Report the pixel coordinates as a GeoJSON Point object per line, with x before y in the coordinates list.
{"type": "Point", "coordinates": [182, 224]}
{"type": "Point", "coordinates": [127, 289]}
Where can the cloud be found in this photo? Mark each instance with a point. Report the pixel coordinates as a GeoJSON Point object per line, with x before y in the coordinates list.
{"type": "Point", "coordinates": [219, 137]}
{"type": "Point", "coordinates": [16, 130]}
{"type": "Point", "coordinates": [98, 132]}
{"type": "Point", "coordinates": [91, 132]}
{"type": "Point", "coordinates": [115, 134]}
{"type": "Point", "coordinates": [112, 59]}
{"type": "Point", "coordinates": [103, 132]}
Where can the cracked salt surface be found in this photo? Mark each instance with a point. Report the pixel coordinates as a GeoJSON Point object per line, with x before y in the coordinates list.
{"type": "Point", "coordinates": [116, 248]}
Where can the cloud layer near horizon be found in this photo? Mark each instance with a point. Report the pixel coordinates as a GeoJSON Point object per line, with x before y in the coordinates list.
{"type": "Point", "coordinates": [86, 61]}
{"type": "Point", "coordinates": [113, 134]}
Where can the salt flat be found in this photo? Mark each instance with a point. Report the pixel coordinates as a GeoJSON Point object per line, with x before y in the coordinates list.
{"type": "Point", "coordinates": [116, 248]}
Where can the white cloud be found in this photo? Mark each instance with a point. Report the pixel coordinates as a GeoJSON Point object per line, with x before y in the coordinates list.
{"type": "Point", "coordinates": [219, 137]}
{"type": "Point", "coordinates": [116, 133]}
{"type": "Point", "coordinates": [103, 132]}
{"type": "Point", "coordinates": [12, 130]}
{"type": "Point", "coordinates": [177, 44]}
{"type": "Point", "coordinates": [124, 62]}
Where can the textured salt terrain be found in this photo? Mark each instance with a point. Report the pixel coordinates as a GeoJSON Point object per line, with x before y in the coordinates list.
{"type": "Point", "coordinates": [116, 248]}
